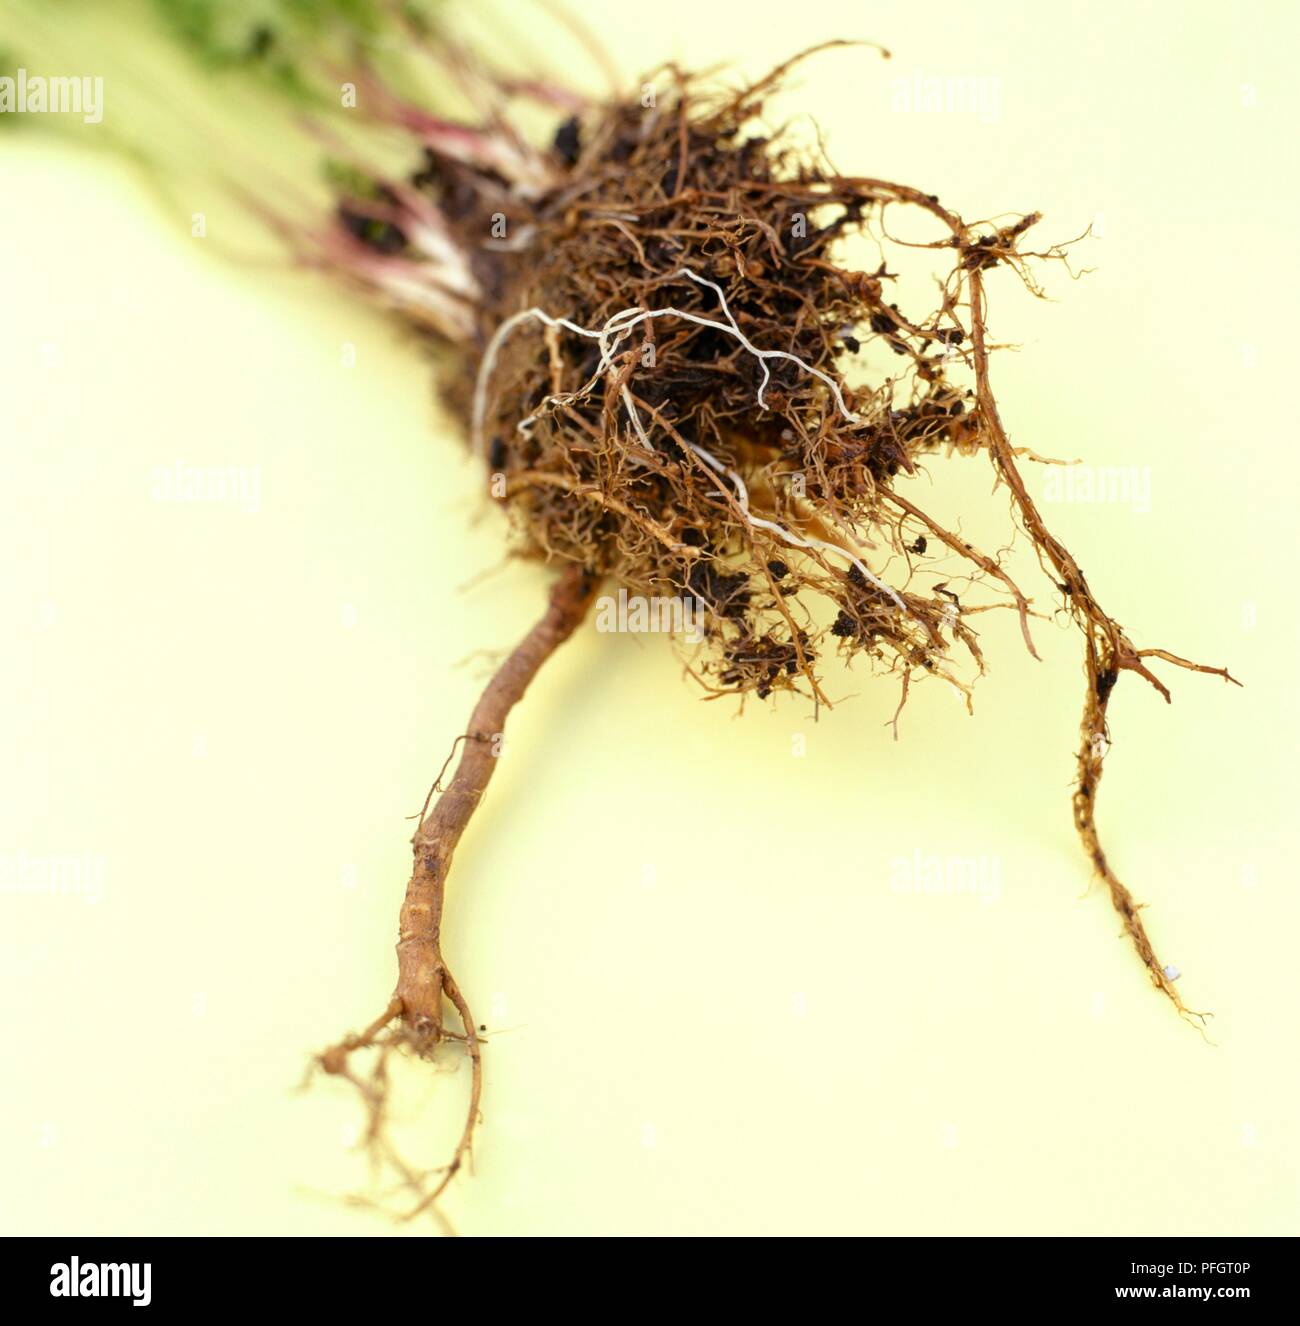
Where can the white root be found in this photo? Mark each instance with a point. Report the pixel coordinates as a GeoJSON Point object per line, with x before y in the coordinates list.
{"type": "Point", "coordinates": [794, 540]}
{"type": "Point", "coordinates": [620, 326]}
{"type": "Point", "coordinates": [610, 336]}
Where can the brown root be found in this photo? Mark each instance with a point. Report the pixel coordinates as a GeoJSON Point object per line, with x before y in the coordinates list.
{"type": "Point", "coordinates": [1104, 665]}
{"type": "Point", "coordinates": [1108, 654]}
{"type": "Point", "coordinates": [676, 382]}
{"type": "Point", "coordinates": [413, 1023]}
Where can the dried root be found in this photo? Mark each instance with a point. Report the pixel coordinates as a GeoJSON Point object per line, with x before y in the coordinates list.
{"type": "Point", "coordinates": [676, 382]}
{"type": "Point", "coordinates": [413, 1022]}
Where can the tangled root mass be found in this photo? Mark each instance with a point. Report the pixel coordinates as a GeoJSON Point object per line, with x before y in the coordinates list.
{"type": "Point", "coordinates": [653, 339]}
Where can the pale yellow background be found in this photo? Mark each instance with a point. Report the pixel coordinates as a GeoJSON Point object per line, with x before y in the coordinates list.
{"type": "Point", "coordinates": [714, 1012]}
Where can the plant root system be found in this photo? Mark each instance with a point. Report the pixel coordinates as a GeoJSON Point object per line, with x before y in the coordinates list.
{"type": "Point", "coordinates": [676, 380]}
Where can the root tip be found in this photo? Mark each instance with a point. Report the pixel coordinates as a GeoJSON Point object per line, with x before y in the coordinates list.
{"type": "Point", "coordinates": [334, 1060]}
